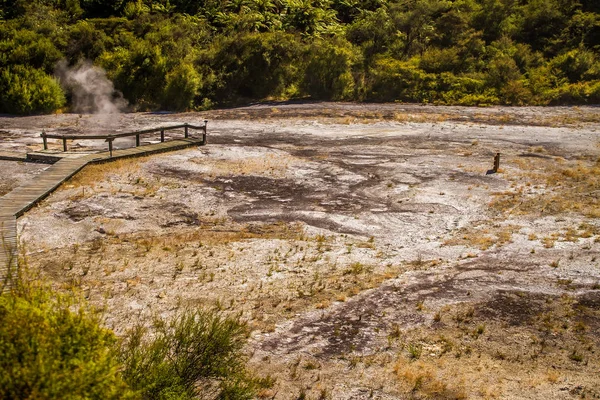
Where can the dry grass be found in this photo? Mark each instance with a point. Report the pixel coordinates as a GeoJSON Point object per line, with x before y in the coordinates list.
{"type": "Point", "coordinates": [215, 231]}
{"type": "Point", "coordinates": [496, 119]}
{"type": "Point", "coordinates": [97, 178]}
{"type": "Point", "coordinates": [347, 116]}
{"type": "Point", "coordinates": [471, 354]}
{"type": "Point", "coordinates": [421, 118]}
{"type": "Point", "coordinates": [370, 117]}
{"type": "Point", "coordinates": [426, 379]}
{"type": "Point", "coordinates": [92, 174]}
{"type": "Point", "coordinates": [568, 120]}
{"type": "Point", "coordinates": [222, 263]}
{"type": "Point", "coordinates": [558, 188]}
{"type": "Point", "coordinates": [569, 234]}
{"type": "Point", "coordinates": [271, 165]}
{"type": "Point", "coordinates": [483, 237]}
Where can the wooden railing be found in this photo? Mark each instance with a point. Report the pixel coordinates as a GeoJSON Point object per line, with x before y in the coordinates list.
{"type": "Point", "coordinates": [112, 136]}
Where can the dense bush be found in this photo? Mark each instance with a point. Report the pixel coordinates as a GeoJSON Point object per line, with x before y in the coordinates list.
{"type": "Point", "coordinates": [196, 354]}
{"type": "Point", "coordinates": [53, 346]}
{"type": "Point", "coordinates": [253, 66]}
{"type": "Point", "coordinates": [29, 49]}
{"type": "Point", "coordinates": [402, 80]}
{"type": "Point", "coordinates": [183, 54]}
{"type": "Point", "coordinates": [328, 74]}
{"type": "Point", "coordinates": [25, 90]}
{"type": "Point", "coordinates": [181, 88]}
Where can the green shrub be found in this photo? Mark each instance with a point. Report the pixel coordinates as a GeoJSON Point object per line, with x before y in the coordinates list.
{"type": "Point", "coordinates": [182, 85]}
{"type": "Point", "coordinates": [516, 93]}
{"type": "Point", "coordinates": [541, 81]}
{"type": "Point", "coordinates": [138, 72]}
{"type": "Point", "coordinates": [489, 97]}
{"type": "Point", "coordinates": [328, 73]}
{"type": "Point", "coordinates": [373, 31]}
{"type": "Point", "coordinates": [85, 42]}
{"type": "Point", "coordinates": [462, 84]}
{"type": "Point", "coordinates": [253, 66]}
{"type": "Point", "coordinates": [312, 17]}
{"type": "Point", "coordinates": [24, 90]}
{"type": "Point", "coordinates": [197, 353]}
{"type": "Point", "coordinates": [440, 60]}
{"type": "Point", "coordinates": [391, 79]}
{"type": "Point", "coordinates": [135, 8]}
{"type": "Point", "coordinates": [576, 93]}
{"type": "Point", "coordinates": [31, 49]}
{"type": "Point", "coordinates": [501, 70]}
{"type": "Point", "coordinates": [576, 65]}
{"type": "Point", "coordinates": [540, 20]}
{"type": "Point", "coordinates": [53, 347]}
{"type": "Point", "coordinates": [466, 90]}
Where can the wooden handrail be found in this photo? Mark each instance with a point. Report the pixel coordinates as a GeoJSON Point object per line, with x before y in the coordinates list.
{"type": "Point", "coordinates": [112, 136]}
{"type": "Point", "coordinates": [119, 135]}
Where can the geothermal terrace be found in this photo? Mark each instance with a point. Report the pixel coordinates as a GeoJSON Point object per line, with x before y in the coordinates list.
{"type": "Point", "coordinates": [365, 245]}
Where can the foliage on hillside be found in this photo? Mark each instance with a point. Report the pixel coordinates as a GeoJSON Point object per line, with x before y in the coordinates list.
{"type": "Point", "coordinates": [184, 54]}
{"type": "Point", "coordinates": [53, 346]}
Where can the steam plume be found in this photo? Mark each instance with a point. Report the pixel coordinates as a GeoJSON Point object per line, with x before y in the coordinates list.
{"type": "Point", "coordinates": [92, 92]}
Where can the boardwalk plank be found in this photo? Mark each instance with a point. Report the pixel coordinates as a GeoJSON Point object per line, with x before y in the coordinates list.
{"type": "Point", "coordinates": [8, 245]}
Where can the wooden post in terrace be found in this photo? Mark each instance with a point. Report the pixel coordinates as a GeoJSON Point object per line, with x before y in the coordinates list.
{"type": "Point", "coordinates": [186, 130]}
{"type": "Point", "coordinates": [45, 140]}
{"type": "Point", "coordinates": [496, 165]}
{"type": "Point", "coordinates": [497, 162]}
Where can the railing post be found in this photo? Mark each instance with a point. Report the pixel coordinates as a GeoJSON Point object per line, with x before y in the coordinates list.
{"type": "Point", "coordinates": [64, 144]}
{"type": "Point", "coordinates": [162, 135]}
{"type": "Point", "coordinates": [186, 130]}
{"type": "Point", "coordinates": [110, 146]}
{"type": "Point", "coordinates": [204, 132]}
{"type": "Point", "coordinates": [45, 140]}
{"type": "Point", "coordinates": [137, 140]}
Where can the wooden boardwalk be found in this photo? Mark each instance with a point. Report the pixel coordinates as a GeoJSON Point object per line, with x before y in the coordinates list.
{"type": "Point", "coordinates": [12, 156]}
{"type": "Point", "coordinates": [21, 199]}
